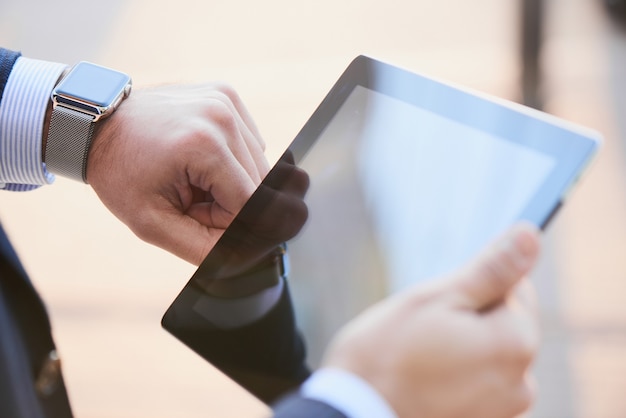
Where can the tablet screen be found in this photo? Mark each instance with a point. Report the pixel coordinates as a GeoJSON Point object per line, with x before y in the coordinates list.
{"type": "Point", "coordinates": [396, 179]}
{"type": "Point", "coordinates": [398, 195]}
{"type": "Point", "coordinates": [431, 189]}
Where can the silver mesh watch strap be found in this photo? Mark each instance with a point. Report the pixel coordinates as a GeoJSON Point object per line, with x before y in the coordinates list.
{"type": "Point", "coordinates": [69, 138]}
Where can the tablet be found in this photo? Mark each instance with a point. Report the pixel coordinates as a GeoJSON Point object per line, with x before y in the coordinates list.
{"type": "Point", "coordinates": [396, 179]}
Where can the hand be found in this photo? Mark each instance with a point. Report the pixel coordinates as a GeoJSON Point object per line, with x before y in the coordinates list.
{"type": "Point", "coordinates": [460, 347]}
{"type": "Point", "coordinates": [176, 164]}
{"type": "Point", "coordinates": [251, 246]}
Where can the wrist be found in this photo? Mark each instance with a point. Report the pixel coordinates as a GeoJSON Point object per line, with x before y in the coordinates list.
{"type": "Point", "coordinates": [100, 157]}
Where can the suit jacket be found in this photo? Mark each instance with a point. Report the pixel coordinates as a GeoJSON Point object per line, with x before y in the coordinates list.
{"type": "Point", "coordinates": [31, 383]}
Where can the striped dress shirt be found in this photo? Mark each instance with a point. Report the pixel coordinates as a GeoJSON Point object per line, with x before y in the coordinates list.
{"type": "Point", "coordinates": [22, 111]}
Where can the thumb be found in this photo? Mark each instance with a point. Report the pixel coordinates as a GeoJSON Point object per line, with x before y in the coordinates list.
{"type": "Point", "coordinates": [489, 279]}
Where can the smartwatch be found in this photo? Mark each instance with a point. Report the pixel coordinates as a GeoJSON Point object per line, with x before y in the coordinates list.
{"type": "Point", "coordinates": [85, 95]}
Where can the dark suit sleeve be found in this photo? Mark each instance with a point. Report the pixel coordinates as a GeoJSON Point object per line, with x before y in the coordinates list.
{"type": "Point", "coordinates": [25, 347]}
{"type": "Point", "coordinates": [7, 61]}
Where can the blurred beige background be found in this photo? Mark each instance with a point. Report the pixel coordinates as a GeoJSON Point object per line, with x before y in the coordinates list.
{"type": "Point", "coordinates": [106, 290]}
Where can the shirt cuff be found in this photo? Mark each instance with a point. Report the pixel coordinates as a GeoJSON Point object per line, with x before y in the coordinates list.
{"type": "Point", "coordinates": [347, 393]}
{"type": "Point", "coordinates": [22, 113]}
{"type": "Point", "coordinates": [234, 313]}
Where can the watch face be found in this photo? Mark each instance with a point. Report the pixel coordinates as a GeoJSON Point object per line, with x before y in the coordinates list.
{"type": "Point", "coordinates": [93, 84]}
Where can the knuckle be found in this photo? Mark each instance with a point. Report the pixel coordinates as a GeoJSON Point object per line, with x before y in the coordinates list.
{"type": "Point", "coordinates": [227, 90]}
{"type": "Point", "coordinates": [516, 338]}
{"type": "Point", "coordinates": [221, 114]}
{"type": "Point", "coordinates": [524, 355]}
{"type": "Point", "coordinates": [212, 135]}
{"type": "Point", "coordinates": [519, 350]}
{"type": "Point", "coordinates": [196, 141]}
{"type": "Point", "coordinates": [523, 399]}
{"type": "Point", "coordinates": [224, 125]}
